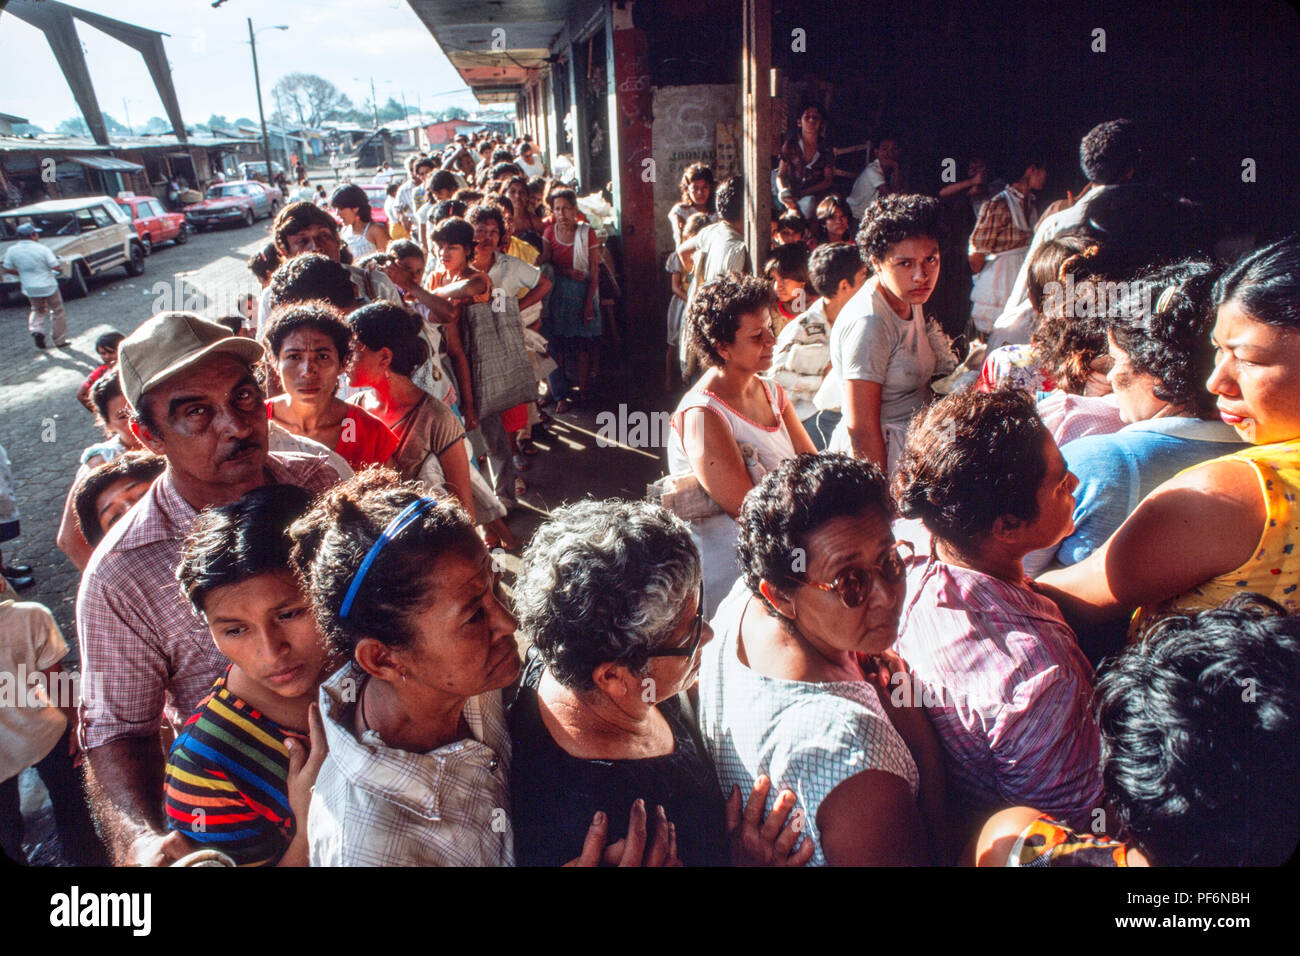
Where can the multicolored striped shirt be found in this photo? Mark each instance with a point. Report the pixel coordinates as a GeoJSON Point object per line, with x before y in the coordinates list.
{"type": "Point", "coordinates": [1007, 690]}
{"type": "Point", "coordinates": [226, 780]}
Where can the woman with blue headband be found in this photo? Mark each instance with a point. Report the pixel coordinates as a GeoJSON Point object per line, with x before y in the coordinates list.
{"type": "Point", "coordinates": [418, 773]}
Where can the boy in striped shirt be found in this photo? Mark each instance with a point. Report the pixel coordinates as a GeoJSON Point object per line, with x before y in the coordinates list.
{"type": "Point", "coordinates": [239, 776]}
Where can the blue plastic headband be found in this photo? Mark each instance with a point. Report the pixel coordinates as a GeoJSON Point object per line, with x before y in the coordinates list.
{"type": "Point", "coordinates": [395, 527]}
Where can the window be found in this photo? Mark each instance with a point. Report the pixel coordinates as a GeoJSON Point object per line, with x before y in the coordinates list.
{"type": "Point", "coordinates": [102, 218]}
{"type": "Point", "coordinates": [154, 208]}
{"type": "Point", "coordinates": [85, 220]}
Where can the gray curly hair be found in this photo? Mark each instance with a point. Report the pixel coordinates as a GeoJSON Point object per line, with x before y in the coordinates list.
{"type": "Point", "coordinates": [605, 581]}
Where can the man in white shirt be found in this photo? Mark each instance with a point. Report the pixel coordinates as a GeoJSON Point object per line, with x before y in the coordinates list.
{"type": "Point", "coordinates": [716, 250]}
{"type": "Point", "coordinates": [38, 271]}
{"type": "Point", "coordinates": [878, 179]}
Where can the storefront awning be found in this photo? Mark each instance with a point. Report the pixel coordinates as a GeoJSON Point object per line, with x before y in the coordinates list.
{"type": "Point", "coordinates": [109, 164]}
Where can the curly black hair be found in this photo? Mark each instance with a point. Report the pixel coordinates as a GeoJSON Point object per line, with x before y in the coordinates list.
{"type": "Point", "coordinates": [890, 220]}
{"type": "Point", "coordinates": [317, 315]}
{"type": "Point", "coordinates": [971, 458]}
{"type": "Point", "coordinates": [1200, 736]}
{"type": "Point", "coordinates": [482, 212]}
{"type": "Point", "coordinates": [730, 201]}
{"type": "Point", "coordinates": [1109, 150]}
{"type": "Point", "coordinates": [310, 277]}
{"type": "Point", "coordinates": [332, 539]}
{"type": "Point", "coordinates": [1163, 324]}
{"type": "Point", "coordinates": [1071, 334]}
{"type": "Point", "coordinates": [714, 315]}
{"type": "Point", "coordinates": [790, 503]}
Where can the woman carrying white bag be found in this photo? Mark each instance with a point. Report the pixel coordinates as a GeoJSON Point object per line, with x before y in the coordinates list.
{"type": "Point", "coordinates": [731, 428]}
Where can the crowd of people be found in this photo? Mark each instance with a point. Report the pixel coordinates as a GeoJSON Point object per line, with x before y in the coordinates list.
{"type": "Point", "coordinates": [886, 606]}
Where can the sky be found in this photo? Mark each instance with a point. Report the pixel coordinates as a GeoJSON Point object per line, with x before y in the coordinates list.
{"type": "Point", "coordinates": [345, 41]}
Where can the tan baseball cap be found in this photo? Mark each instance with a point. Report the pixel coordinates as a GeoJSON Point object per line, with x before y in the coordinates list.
{"type": "Point", "coordinates": [169, 343]}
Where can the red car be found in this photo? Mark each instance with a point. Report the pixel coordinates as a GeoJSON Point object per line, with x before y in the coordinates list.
{"type": "Point", "coordinates": [376, 194]}
{"type": "Point", "coordinates": [152, 223]}
{"type": "Point", "coordinates": [242, 202]}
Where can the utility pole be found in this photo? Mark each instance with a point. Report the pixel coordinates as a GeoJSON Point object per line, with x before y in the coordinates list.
{"type": "Point", "coordinates": [374, 102]}
{"type": "Point", "coordinates": [284, 138]}
{"type": "Point", "coordinates": [261, 114]}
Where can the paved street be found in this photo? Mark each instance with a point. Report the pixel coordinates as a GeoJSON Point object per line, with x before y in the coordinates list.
{"type": "Point", "coordinates": [44, 429]}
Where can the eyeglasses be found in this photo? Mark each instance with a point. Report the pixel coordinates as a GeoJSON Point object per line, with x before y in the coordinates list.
{"type": "Point", "coordinates": [689, 650]}
{"type": "Point", "coordinates": [854, 585]}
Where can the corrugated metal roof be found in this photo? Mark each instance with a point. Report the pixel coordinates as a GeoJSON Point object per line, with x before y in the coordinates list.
{"type": "Point", "coordinates": [107, 163]}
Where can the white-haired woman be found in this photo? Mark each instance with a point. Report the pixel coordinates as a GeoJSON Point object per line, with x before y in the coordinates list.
{"type": "Point", "coordinates": [611, 596]}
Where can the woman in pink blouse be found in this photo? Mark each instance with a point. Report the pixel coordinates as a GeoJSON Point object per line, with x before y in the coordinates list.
{"type": "Point", "coordinates": [994, 662]}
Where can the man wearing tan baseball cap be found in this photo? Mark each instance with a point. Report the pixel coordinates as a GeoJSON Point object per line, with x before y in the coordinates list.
{"type": "Point", "coordinates": [196, 402]}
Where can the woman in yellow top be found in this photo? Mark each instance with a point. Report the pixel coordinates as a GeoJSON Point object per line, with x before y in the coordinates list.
{"type": "Point", "coordinates": [1231, 524]}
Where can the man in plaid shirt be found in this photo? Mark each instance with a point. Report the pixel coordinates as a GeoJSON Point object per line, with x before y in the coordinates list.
{"type": "Point", "coordinates": [194, 401]}
{"type": "Point", "coordinates": [1000, 243]}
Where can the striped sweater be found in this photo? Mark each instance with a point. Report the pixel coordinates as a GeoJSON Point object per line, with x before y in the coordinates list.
{"type": "Point", "coordinates": [225, 784]}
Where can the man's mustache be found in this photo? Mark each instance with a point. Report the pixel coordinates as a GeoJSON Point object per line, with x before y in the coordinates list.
{"type": "Point", "coordinates": [242, 446]}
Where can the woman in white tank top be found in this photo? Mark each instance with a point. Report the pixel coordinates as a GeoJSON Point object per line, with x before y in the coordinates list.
{"type": "Point", "coordinates": [361, 235]}
{"type": "Point", "coordinates": [731, 427]}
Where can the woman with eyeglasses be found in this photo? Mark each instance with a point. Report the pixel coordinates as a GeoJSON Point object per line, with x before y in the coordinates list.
{"type": "Point", "coordinates": [994, 662]}
{"type": "Point", "coordinates": [797, 683]}
{"type": "Point", "coordinates": [611, 596]}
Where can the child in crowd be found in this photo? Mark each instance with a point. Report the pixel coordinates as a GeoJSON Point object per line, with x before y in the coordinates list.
{"type": "Point", "coordinates": [106, 349]}
{"type": "Point", "coordinates": [787, 269]}
{"type": "Point", "coordinates": [39, 732]}
{"type": "Point", "coordinates": [103, 494]}
{"type": "Point", "coordinates": [240, 775]}
{"type": "Point", "coordinates": [802, 362]}
{"type": "Point", "coordinates": [791, 229]}
{"type": "Point", "coordinates": [677, 305]}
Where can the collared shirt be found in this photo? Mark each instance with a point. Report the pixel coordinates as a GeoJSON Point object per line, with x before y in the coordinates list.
{"type": "Point", "coordinates": [37, 267]}
{"type": "Point", "coordinates": [374, 805]}
{"type": "Point", "coordinates": [1118, 470]}
{"type": "Point", "coordinates": [30, 723]}
{"type": "Point", "coordinates": [996, 230]}
{"type": "Point", "coordinates": [1007, 690]}
{"type": "Point", "coordinates": [141, 643]}
{"type": "Point", "coordinates": [1016, 321]}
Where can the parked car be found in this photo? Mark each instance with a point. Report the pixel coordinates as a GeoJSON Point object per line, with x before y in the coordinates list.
{"type": "Point", "coordinates": [152, 223]}
{"type": "Point", "coordinates": [273, 193]}
{"type": "Point", "coordinates": [376, 194]}
{"type": "Point", "coordinates": [227, 203]}
{"type": "Point", "coordinates": [90, 235]}
{"type": "Point", "coordinates": [257, 170]}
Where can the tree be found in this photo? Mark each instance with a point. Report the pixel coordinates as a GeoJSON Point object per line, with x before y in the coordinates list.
{"type": "Point", "coordinates": [157, 124]}
{"type": "Point", "coordinates": [76, 126]}
{"type": "Point", "coordinates": [313, 99]}
{"type": "Point", "coordinates": [452, 113]}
